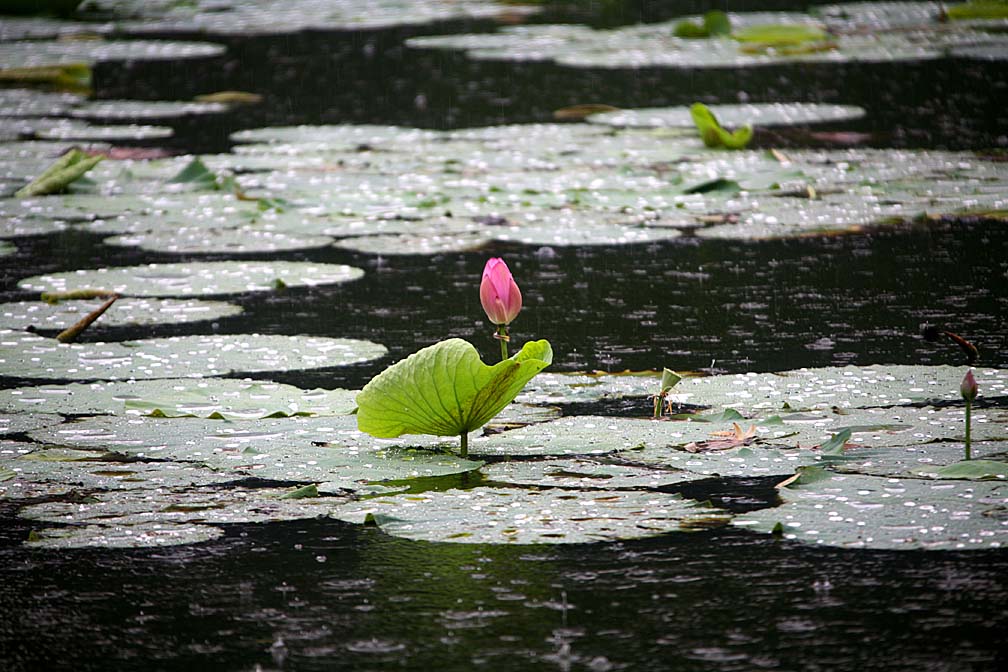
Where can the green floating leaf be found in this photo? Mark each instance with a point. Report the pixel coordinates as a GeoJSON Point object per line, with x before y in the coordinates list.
{"type": "Point", "coordinates": [855, 511]}
{"type": "Point", "coordinates": [982, 9]}
{"type": "Point", "coordinates": [197, 174]}
{"type": "Point", "coordinates": [61, 173]}
{"type": "Point", "coordinates": [835, 445]}
{"type": "Point", "coordinates": [971, 470]}
{"type": "Point", "coordinates": [519, 516]}
{"type": "Point", "coordinates": [780, 35]}
{"type": "Point", "coordinates": [714, 23]}
{"type": "Point", "coordinates": [445, 390]}
{"type": "Point", "coordinates": [310, 490]}
{"type": "Point", "coordinates": [713, 135]}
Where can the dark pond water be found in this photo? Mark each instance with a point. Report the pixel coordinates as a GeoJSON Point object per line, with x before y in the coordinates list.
{"type": "Point", "coordinates": [320, 595]}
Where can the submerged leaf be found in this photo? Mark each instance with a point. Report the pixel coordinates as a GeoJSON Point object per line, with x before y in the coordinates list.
{"type": "Point", "coordinates": [445, 390]}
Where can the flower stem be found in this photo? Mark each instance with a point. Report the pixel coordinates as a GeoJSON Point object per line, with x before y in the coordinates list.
{"type": "Point", "coordinates": [502, 336]}
{"type": "Point", "coordinates": [464, 450]}
{"type": "Point", "coordinates": [969, 408]}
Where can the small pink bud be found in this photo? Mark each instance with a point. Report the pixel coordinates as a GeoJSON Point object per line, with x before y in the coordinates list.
{"type": "Point", "coordinates": [499, 294]}
{"type": "Point", "coordinates": [968, 387]}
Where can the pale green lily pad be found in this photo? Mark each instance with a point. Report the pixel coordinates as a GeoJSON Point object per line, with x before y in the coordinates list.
{"type": "Point", "coordinates": [244, 240]}
{"type": "Point", "coordinates": [855, 511]}
{"type": "Point", "coordinates": [565, 228]}
{"type": "Point", "coordinates": [576, 435]}
{"type": "Point", "coordinates": [842, 387]}
{"type": "Point", "coordinates": [262, 17]}
{"type": "Point", "coordinates": [7, 249]}
{"type": "Point", "coordinates": [17, 228]}
{"type": "Point", "coordinates": [347, 137]}
{"type": "Point", "coordinates": [196, 279]}
{"type": "Point", "coordinates": [517, 516]}
{"type": "Point", "coordinates": [655, 45]}
{"type": "Point", "coordinates": [125, 311]}
{"type": "Point", "coordinates": [755, 394]}
{"type": "Point", "coordinates": [446, 390]}
{"type": "Point", "coordinates": [916, 461]}
{"type": "Point", "coordinates": [38, 475]}
{"type": "Point", "coordinates": [747, 461]}
{"type": "Point", "coordinates": [35, 103]}
{"type": "Point", "coordinates": [414, 243]}
{"type": "Point", "coordinates": [144, 109]}
{"type": "Point", "coordinates": [142, 535]}
{"type": "Point", "coordinates": [28, 356]}
{"type": "Point", "coordinates": [226, 398]}
{"type": "Point", "coordinates": [15, 423]}
{"type": "Point", "coordinates": [319, 449]}
{"type": "Point", "coordinates": [78, 130]}
{"type": "Point", "coordinates": [990, 52]}
{"type": "Point", "coordinates": [517, 414]}
{"type": "Point", "coordinates": [757, 114]}
{"type": "Point", "coordinates": [583, 473]}
{"type": "Point", "coordinates": [971, 470]}
{"type": "Point", "coordinates": [30, 53]}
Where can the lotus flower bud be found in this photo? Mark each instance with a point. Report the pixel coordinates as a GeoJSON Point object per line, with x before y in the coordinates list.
{"type": "Point", "coordinates": [499, 294]}
{"type": "Point", "coordinates": [968, 387]}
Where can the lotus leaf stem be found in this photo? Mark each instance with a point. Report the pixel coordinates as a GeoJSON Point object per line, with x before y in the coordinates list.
{"type": "Point", "coordinates": [969, 409]}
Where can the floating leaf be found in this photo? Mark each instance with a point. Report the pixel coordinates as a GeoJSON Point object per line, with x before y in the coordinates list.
{"type": "Point", "coordinates": [711, 132]}
{"type": "Point", "coordinates": [230, 98]}
{"type": "Point", "coordinates": [517, 516]}
{"type": "Point", "coordinates": [971, 470]}
{"type": "Point", "coordinates": [126, 311]}
{"type": "Point", "coordinates": [445, 390]}
{"type": "Point", "coordinates": [196, 279]}
{"type": "Point", "coordinates": [310, 490]}
{"type": "Point", "coordinates": [857, 511]}
{"type": "Point", "coordinates": [69, 167]}
{"type": "Point", "coordinates": [780, 35]}
{"type": "Point", "coordinates": [28, 356]}
{"type": "Point", "coordinates": [714, 23]}
{"type": "Point", "coordinates": [978, 9]}
{"type": "Point", "coordinates": [584, 473]}
{"type": "Point", "coordinates": [15, 423]}
{"type": "Point", "coordinates": [329, 451]}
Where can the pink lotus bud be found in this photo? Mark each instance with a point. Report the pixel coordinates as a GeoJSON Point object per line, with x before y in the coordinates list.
{"type": "Point", "coordinates": [499, 294]}
{"type": "Point", "coordinates": [968, 387]}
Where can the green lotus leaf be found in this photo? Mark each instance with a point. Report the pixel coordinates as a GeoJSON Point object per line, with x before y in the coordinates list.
{"type": "Point", "coordinates": [713, 135]}
{"type": "Point", "coordinates": [445, 390]}
{"type": "Point", "coordinates": [780, 35]}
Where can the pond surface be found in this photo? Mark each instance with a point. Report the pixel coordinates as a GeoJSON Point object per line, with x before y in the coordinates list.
{"type": "Point", "coordinates": [323, 594]}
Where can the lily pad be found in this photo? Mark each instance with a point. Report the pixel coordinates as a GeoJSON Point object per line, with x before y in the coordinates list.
{"type": "Point", "coordinates": [842, 387]}
{"type": "Point", "coordinates": [38, 475]}
{"type": "Point", "coordinates": [224, 398]}
{"type": "Point", "coordinates": [757, 114]}
{"type": "Point", "coordinates": [7, 249]}
{"type": "Point", "coordinates": [244, 240]}
{"type": "Point", "coordinates": [123, 536]}
{"type": "Point", "coordinates": [16, 423]}
{"type": "Point", "coordinates": [583, 473]}
{"type": "Point", "coordinates": [28, 53]}
{"type": "Point", "coordinates": [28, 356]}
{"type": "Point", "coordinates": [144, 109]}
{"type": "Point", "coordinates": [414, 243]}
{"type": "Point", "coordinates": [915, 460]}
{"type": "Point", "coordinates": [158, 517]}
{"type": "Point", "coordinates": [125, 311]}
{"type": "Point", "coordinates": [78, 130]}
{"type": "Point", "coordinates": [856, 511]}
{"type": "Point", "coordinates": [319, 450]}
{"type": "Point", "coordinates": [516, 516]}
{"type": "Point", "coordinates": [35, 103]}
{"type": "Point", "coordinates": [196, 279]}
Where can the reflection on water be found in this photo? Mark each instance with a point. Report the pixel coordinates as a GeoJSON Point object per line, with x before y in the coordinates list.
{"type": "Point", "coordinates": [321, 595]}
